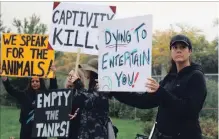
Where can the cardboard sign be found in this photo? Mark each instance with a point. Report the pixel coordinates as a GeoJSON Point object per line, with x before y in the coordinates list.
{"type": "Point", "coordinates": [125, 54]}
{"type": "Point", "coordinates": [51, 115]}
{"type": "Point", "coordinates": [25, 55]}
{"type": "Point", "coordinates": [76, 26]}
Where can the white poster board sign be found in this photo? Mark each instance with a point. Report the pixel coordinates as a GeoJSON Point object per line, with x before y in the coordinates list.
{"type": "Point", "coordinates": [76, 26]}
{"type": "Point", "coordinates": [125, 54]}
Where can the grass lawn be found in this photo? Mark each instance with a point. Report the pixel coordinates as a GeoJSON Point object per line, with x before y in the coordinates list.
{"type": "Point", "coordinates": [10, 125]}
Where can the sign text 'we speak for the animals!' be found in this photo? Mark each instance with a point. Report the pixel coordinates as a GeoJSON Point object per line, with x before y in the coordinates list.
{"type": "Point", "coordinates": [76, 26]}
{"type": "Point", "coordinates": [125, 54]}
{"type": "Point", "coordinates": [24, 55]}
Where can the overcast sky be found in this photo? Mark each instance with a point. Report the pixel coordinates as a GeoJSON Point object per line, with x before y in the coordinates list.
{"type": "Point", "coordinates": [197, 14]}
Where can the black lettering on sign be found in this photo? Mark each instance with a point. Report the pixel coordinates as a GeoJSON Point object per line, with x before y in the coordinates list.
{"type": "Point", "coordinates": [76, 40]}
{"type": "Point", "coordinates": [11, 40]}
{"type": "Point", "coordinates": [75, 15]}
{"type": "Point", "coordinates": [20, 68]}
{"type": "Point", "coordinates": [72, 39]}
{"type": "Point", "coordinates": [50, 64]}
{"type": "Point", "coordinates": [69, 15]}
{"type": "Point", "coordinates": [55, 20]}
{"type": "Point", "coordinates": [56, 37]}
{"type": "Point", "coordinates": [51, 114]}
{"type": "Point", "coordinates": [82, 17]}
{"type": "Point", "coordinates": [102, 16]}
{"type": "Point", "coordinates": [79, 18]}
{"type": "Point", "coordinates": [89, 19]}
{"type": "Point", "coordinates": [68, 38]}
{"type": "Point", "coordinates": [110, 18]}
{"type": "Point", "coordinates": [39, 53]}
{"type": "Point", "coordinates": [40, 64]}
{"type": "Point", "coordinates": [27, 68]}
{"type": "Point", "coordinates": [9, 67]}
{"type": "Point", "coordinates": [95, 20]}
{"type": "Point", "coordinates": [62, 18]}
{"type": "Point", "coordinates": [86, 41]}
{"type": "Point", "coordinates": [15, 52]}
{"type": "Point", "coordinates": [38, 41]}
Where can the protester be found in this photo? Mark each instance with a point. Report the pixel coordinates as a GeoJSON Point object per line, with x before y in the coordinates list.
{"type": "Point", "coordinates": [92, 108]}
{"type": "Point", "coordinates": [179, 96]}
{"type": "Point", "coordinates": [27, 99]}
{"type": "Point", "coordinates": [76, 104]}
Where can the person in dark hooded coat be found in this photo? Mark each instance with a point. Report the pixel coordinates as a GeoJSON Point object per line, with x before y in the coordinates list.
{"type": "Point", "coordinates": [179, 96]}
{"type": "Point", "coordinates": [27, 99]}
{"type": "Point", "coordinates": [90, 109]}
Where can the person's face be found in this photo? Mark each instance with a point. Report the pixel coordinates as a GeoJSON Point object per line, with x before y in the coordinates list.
{"type": "Point", "coordinates": [180, 52]}
{"type": "Point", "coordinates": [35, 83]}
{"type": "Point", "coordinates": [69, 83]}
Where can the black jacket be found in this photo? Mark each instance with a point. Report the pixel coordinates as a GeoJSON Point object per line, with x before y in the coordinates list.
{"type": "Point", "coordinates": [179, 99]}
{"type": "Point", "coordinates": [91, 121]}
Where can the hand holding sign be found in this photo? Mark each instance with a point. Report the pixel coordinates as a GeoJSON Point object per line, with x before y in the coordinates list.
{"type": "Point", "coordinates": [53, 68]}
{"type": "Point", "coordinates": [152, 85]}
{"type": "Point", "coordinates": [4, 78]}
{"type": "Point", "coordinates": [74, 115]}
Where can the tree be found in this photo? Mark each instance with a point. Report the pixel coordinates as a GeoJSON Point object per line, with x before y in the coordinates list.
{"type": "Point", "coordinates": [67, 61]}
{"type": "Point", "coordinates": [3, 29]}
{"type": "Point", "coordinates": [31, 26]}
{"type": "Point", "coordinates": [215, 41]}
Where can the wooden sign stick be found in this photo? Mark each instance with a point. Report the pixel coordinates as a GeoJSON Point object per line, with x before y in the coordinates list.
{"type": "Point", "coordinates": [77, 60]}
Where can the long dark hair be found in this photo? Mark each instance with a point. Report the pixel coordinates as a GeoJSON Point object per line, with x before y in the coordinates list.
{"type": "Point", "coordinates": [173, 68]}
{"type": "Point", "coordinates": [42, 85]}
{"type": "Point", "coordinates": [92, 82]}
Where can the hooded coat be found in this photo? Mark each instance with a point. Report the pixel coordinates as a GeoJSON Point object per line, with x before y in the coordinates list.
{"type": "Point", "coordinates": [179, 99]}
{"type": "Point", "coordinates": [94, 113]}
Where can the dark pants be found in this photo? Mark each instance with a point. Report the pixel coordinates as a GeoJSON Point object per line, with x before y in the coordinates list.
{"type": "Point", "coordinates": [26, 131]}
{"type": "Point", "coordinates": [159, 135]}
{"type": "Point", "coordinates": [74, 128]}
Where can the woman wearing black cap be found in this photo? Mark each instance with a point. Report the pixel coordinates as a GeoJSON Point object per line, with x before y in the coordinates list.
{"type": "Point", "coordinates": [179, 96]}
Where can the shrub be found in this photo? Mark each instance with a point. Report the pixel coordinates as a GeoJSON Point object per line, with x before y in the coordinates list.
{"type": "Point", "coordinates": [209, 128]}
{"type": "Point", "coordinates": [211, 100]}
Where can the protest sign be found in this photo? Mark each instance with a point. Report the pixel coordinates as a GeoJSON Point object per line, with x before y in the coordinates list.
{"type": "Point", "coordinates": [51, 114]}
{"type": "Point", "coordinates": [125, 54]}
{"type": "Point", "coordinates": [25, 55]}
{"type": "Point", "coordinates": [76, 26]}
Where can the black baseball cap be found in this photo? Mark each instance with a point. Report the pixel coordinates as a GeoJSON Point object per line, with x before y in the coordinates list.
{"type": "Point", "coordinates": [181, 38]}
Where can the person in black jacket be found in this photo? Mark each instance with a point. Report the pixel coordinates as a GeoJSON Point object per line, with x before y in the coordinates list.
{"type": "Point", "coordinates": [27, 99]}
{"type": "Point", "coordinates": [179, 96]}
{"type": "Point", "coordinates": [90, 112]}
